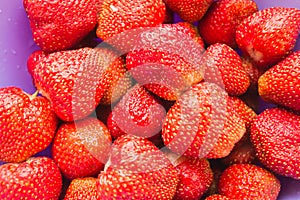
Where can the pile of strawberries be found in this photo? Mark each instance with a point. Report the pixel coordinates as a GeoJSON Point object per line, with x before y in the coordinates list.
{"type": "Point", "coordinates": [136, 106]}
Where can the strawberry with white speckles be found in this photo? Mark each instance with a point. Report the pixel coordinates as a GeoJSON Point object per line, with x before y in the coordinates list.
{"type": "Point", "coordinates": [164, 70]}
{"type": "Point", "coordinates": [37, 178]}
{"type": "Point", "coordinates": [269, 35]}
{"type": "Point", "coordinates": [73, 80]}
{"type": "Point", "coordinates": [275, 135]}
{"type": "Point", "coordinates": [247, 181]}
{"type": "Point", "coordinates": [60, 24]}
{"type": "Point", "coordinates": [137, 170]}
{"type": "Point", "coordinates": [81, 149]}
{"type": "Point", "coordinates": [281, 83]}
{"type": "Point", "coordinates": [223, 66]}
{"type": "Point", "coordinates": [202, 123]}
{"type": "Point", "coordinates": [117, 16]}
{"type": "Point", "coordinates": [220, 22]}
{"type": "Point", "coordinates": [27, 124]}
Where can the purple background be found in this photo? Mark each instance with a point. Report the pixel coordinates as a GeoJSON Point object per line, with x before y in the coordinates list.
{"type": "Point", "coordinates": [16, 45]}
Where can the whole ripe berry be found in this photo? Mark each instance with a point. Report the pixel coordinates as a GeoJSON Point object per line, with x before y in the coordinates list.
{"type": "Point", "coordinates": [81, 148]}
{"type": "Point", "coordinates": [220, 22]}
{"type": "Point", "coordinates": [36, 178]}
{"type": "Point", "coordinates": [118, 16]}
{"type": "Point", "coordinates": [189, 10]}
{"type": "Point", "coordinates": [281, 83]}
{"type": "Point", "coordinates": [223, 66]}
{"type": "Point", "coordinates": [247, 181]}
{"type": "Point", "coordinates": [74, 80]}
{"type": "Point", "coordinates": [202, 123]}
{"type": "Point", "coordinates": [27, 124]}
{"type": "Point", "coordinates": [82, 188]}
{"type": "Point", "coordinates": [48, 19]}
{"type": "Point", "coordinates": [137, 170]}
{"type": "Point", "coordinates": [269, 35]}
{"type": "Point", "coordinates": [163, 68]}
{"type": "Point", "coordinates": [275, 134]}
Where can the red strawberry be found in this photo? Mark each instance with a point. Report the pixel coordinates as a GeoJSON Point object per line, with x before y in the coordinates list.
{"type": "Point", "coordinates": [163, 69]}
{"type": "Point", "coordinates": [138, 170]}
{"type": "Point", "coordinates": [189, 10]}
{"type": "Point", "coordinates": [27, 124]}
{"type": "Point", "coordinates": [81, 149]}
{"type": "Point", "coordinates": [223, 66]}
{"type": "Point", "coordinates": [201, 123]}
{"type": "Point", "coordinates": [195, 177]}
{"type": "Point", "coordinates": [117, 16]}
{"type": "Point", "coordinates": [137, 113]}
{"type": "Point", "coordinates": [74, 81]}
{"type": "Point", "coordinates": [37, 178]}
{"type": "Point", "coordinates": [275, 134]}
{"type": "Point", "coordinates": [269, 35]}
{"type": "Point", "coordinates": [82, 188]}
{"type": "Point", "coordinates": [247, 181]}
{"type": "Point", "coordinates": [220, 22]}
{"type": "Point", "coordinates": [58, 25]}
{"type": "Point", "coordinates": [281, 83]}
{"type": "Point", "coordinates": [217, 197]}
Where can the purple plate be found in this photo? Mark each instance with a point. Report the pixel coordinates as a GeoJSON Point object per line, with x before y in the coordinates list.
{"type": "Point", "coordinates": [16, 44]}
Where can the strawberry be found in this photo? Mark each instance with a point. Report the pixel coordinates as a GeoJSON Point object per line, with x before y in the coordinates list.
{"type": "Point", "coordinates": [269, 35]}
{"type": "Point", "coordinates": [27, 124]}
{"type": "Point", "coordinates": [138, 170]}
{"type": "Point", "coordinates": [59, 25]}
{"type": "Point", "coordinates": [201, 123]}
{"type": "Point", "coordinates": [37, 178]}
{"type": "Point", "coordinates": [117, 16]}
{"type": "Point", "coordinates": [82, 188]}
{"type": "Point", "coordinates": [217, 197]}
{"type": "Point", "coordinates": [281, 83]}
{"type": "Point", "coordinates": [191, 10]}
{"type": "Point", "coordinates": [164, 70]}
{"type": "Point", "coordinates": [247, 181]}
{"type": "Point", "coordinates": [81, 148]}
{"type": "Point", "coordinates": [275, 135]}
{"type": "Point", "coordinates": [137, 113]}
{"type": "Point", "coordinates": [220, 22]}
{"type": "Point", "coordinates": [223, 66]}
{"type": "Point", "coordinates": [195, 177]}
{"type": "Point", "coordinates": [74, 80]}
